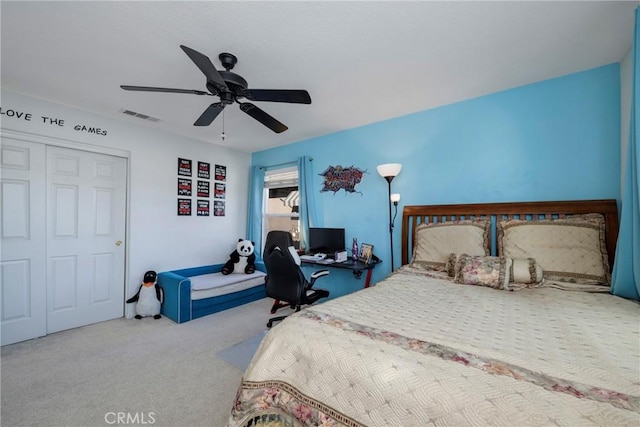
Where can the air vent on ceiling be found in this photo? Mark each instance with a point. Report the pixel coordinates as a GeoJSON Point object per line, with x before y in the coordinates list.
{"type": "Point", "coordinates": [139, 115]}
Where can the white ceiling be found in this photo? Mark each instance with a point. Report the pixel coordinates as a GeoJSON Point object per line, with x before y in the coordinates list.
{"type": "Point", "coordinates": [361, 62]}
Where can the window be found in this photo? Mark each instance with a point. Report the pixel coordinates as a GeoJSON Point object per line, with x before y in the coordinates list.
{"type": "Point", "coordinates": [280, 203]}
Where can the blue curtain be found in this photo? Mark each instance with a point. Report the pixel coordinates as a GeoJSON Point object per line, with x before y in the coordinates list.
{"type": "Point", "coordinates": [626, 270]}
{"type": "Point", "coordinates": [254, 214]}
{"type": "Point", "coordinates": [307, 205]}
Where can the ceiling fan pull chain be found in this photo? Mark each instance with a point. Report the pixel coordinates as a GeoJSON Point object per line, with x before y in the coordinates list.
{"type": "Point", "coordinates": [223, 134]}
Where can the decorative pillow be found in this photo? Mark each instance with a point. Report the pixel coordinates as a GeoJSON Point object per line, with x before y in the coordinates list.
{"type": "Point", "coordinates": [525, 270]}
{"type": "Point", "coordinates": [435, 241]}
{"type": "Point", "coordinates": [450, 265]}
{"type": "Point", "coordinates": [569, 250]}
{"type": "Point", "coordinates": [488, 271]}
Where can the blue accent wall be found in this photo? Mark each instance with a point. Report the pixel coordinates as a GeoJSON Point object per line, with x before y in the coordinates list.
{"type": "Point", "coordinates": [558, 139]}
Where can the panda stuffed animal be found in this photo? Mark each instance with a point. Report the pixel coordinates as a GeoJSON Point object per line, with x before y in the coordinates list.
{"type": "Point", "coordinates": [242, 260]}
{"type": "Point", "coordinates": [149, 297]}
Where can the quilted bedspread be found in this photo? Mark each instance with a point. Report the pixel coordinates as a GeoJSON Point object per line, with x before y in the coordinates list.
{"type": "Point", "coordinates": [417, 351]}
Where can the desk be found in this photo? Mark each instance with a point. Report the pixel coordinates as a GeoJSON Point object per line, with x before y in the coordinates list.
{"type": "Point", "coordinates": [357, 266]}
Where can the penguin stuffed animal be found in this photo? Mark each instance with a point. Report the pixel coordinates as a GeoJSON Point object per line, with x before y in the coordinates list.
{"type": "Point", "coordinates": [149, 297]}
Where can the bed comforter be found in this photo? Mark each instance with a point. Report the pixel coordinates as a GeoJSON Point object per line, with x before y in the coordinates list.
{"type": "Point", "coordinates": [419, 350]}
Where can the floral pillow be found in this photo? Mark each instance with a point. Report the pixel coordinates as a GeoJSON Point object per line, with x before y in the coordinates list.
{"type": "Point", "coordinates": [488, 271]}
{"type": "Point", "coordinates": [450, 265]}
{"type": "Point", "coordinates": [523, 273]}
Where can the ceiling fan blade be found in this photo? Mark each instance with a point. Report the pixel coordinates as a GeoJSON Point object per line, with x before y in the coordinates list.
{"type": "Point", "coordinates": [164, 89]}
{"type": "Point", "coordinates": [263, 117]}
{"type": "Point", "coordinates": [278, 95]}
{"type": "Point", "coordinates": [209, 114]}
{"type": "Point", "coordinates": [206, 66]}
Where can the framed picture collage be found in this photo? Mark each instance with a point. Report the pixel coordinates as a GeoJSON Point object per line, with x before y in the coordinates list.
{"type": "Point", "coordinates": [199, 189]}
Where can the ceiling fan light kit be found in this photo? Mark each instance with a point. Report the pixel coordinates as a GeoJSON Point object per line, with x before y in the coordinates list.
{"type": "Point", "coordinates": [229, 87]}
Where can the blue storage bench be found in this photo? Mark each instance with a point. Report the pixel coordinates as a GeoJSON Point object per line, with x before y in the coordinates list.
{"type": "Point", "coordinates": [199, 291]}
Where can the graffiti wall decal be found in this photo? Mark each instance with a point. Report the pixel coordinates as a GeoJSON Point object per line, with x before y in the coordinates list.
{"type": "Point", "coordinates": [337, 178]}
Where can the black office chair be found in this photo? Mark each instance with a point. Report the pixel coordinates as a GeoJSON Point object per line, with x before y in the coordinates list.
{"type": "Point", "coordinates": [275, 238]}
{"type": "Point", "coordinates": [285, 279]}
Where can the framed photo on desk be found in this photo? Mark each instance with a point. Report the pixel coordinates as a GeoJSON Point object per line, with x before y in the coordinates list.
{"type": "Point", "coordinates": [366, 253]}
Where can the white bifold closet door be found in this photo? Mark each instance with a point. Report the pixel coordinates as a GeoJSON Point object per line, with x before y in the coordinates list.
{"type": "Point", "coordinates": [24, 262]}
{"type": "Point", "coordinates": [85, 237]}
{"type": "Point", "coordinates": [70, 272]}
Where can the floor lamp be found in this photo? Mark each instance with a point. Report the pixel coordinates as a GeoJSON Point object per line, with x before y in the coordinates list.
{"type": "Point", "coordinates": [389, 171]}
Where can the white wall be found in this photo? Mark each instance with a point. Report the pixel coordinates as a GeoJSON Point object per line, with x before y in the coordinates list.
{"type": "Point", "coordinates": [157, 238]}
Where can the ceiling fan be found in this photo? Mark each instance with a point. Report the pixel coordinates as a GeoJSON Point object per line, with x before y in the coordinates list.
{"type": "Point", "coordinates": [230, 88]}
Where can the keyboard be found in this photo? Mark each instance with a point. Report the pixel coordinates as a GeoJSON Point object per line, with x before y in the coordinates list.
{"type": "Point", "coordinates": [317, 259]}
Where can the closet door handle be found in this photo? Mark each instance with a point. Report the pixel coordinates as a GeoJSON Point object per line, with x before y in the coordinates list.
{"type": "Point", "coordinates": [119, 242]}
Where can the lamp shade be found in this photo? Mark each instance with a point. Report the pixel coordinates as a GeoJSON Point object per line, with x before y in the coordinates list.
{"type": "Point", "coordinates": [389, 169]}
{"type": "Point", "coordinates": [395, 197]}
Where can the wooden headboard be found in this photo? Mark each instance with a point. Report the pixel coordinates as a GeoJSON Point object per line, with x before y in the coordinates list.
{"type": "Point", "coordinates": [412, 216]}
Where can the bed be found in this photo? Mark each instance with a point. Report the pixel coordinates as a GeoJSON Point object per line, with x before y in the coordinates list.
{"type": "Point", "coordinates": [471, 330]}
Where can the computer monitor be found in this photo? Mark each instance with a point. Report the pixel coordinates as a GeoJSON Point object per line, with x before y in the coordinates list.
{"type": "Point", "coordinates": [326, 240]}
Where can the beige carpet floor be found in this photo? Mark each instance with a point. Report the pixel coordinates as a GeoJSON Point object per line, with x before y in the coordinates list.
{"type": "Point", "coordinates": [152, 372]}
